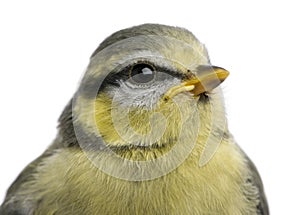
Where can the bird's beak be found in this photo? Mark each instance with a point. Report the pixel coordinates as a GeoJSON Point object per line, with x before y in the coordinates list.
{"type": "Point", "coordinates": [204, 79]}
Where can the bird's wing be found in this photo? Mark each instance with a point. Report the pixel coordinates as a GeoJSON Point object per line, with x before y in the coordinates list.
{"type": "Point", "coordinates": [262, 207]}
{"type": "Point", "coordinates": [13, 204]}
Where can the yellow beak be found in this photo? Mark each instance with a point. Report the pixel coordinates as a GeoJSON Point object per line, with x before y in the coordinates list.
{"type": "Point", "coordinates": [205, 79]}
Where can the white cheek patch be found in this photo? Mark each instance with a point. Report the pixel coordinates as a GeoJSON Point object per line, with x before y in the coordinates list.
{"type": "Point", "coordinates": [128, 95]}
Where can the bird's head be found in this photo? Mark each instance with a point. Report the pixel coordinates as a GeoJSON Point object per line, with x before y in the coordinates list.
{"type": "Point", "coordinates": [147, 87]}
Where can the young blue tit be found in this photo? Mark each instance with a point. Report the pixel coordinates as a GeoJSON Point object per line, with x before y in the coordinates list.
{"type": "Point", "coordinates": [145, 133]}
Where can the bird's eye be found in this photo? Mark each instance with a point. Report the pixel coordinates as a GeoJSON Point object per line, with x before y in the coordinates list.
{"type": "Point", "coordinates": [142, 73]}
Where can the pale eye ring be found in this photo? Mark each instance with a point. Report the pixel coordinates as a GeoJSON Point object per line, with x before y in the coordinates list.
{"type": "Point", "coordinates": [142, 73]}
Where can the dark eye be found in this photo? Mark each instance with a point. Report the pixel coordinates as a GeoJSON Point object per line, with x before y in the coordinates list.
{"type": "Point", "coordinates": [142, 73]}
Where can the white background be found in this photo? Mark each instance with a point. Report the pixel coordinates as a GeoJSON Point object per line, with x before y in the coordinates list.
{"type": "Point", "coordinates": [45, 47]}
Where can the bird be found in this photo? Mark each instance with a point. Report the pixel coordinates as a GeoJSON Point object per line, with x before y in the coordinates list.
{"type": "Point", "coordinates": [144, 133]}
